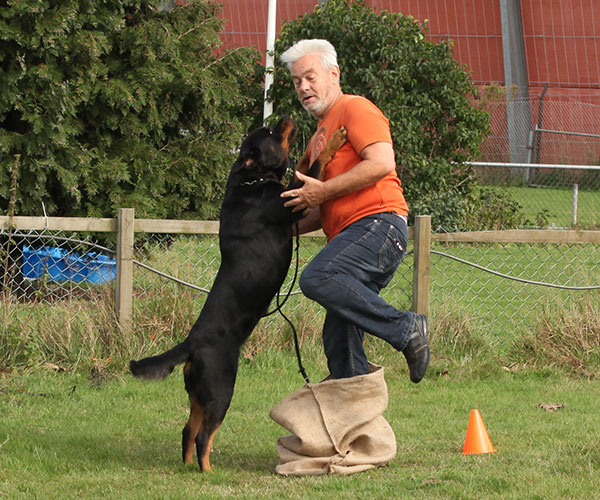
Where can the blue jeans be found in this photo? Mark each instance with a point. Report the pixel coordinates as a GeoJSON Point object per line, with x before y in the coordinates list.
{"type": "Point", "coordinates": [345, 278]}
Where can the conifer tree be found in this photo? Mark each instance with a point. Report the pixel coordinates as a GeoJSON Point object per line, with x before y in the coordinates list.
{"type": "Point", "coordinates": [118, 103]}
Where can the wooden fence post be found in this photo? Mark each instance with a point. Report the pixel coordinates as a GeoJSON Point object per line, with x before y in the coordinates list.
{"type": "Point", "coordinates": [421, 264]}
{"type": "Point", "coordinates": [124, 285]}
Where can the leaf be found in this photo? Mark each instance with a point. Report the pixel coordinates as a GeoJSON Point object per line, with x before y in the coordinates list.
{"type": "Point", "coordinates": [551, 406]}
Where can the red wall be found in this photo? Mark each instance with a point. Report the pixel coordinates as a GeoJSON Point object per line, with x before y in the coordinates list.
{"type": "Point", "coordinates": [562, 49]}
{"type": "Point", "coordinates": [562, 37]}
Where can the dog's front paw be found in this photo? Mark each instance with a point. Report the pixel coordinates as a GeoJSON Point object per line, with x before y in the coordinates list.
{"type": "Point", "coordinates": [339, 137]}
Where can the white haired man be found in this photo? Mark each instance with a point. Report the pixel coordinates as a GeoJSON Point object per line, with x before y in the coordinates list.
{"type": "Point", "coordinates": [361, 207]}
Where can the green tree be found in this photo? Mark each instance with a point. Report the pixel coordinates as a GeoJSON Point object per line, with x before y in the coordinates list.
{"type": "Point", "coordinates": [118, 103]}
{"type": "Point", "coordinates": [427, 96]}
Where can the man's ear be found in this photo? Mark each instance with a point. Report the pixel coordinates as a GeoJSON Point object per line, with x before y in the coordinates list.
{"type": "Point", "coordinates": [335, 73]}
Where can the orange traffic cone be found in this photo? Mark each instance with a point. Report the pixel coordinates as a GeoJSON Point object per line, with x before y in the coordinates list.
{"type": "Point", "coordinates": [477, 440]}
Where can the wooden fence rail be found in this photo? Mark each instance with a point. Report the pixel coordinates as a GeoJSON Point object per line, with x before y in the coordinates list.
{"type": "Point", "coordinates": [126, 225]}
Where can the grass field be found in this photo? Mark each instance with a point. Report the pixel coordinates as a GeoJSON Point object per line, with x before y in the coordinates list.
{"type": "Point", "coordinates": [74, 424]}
{"type": "Point", "coordinates": [64, 436]}
{"type": "Point", "coordinates": [557, 206]}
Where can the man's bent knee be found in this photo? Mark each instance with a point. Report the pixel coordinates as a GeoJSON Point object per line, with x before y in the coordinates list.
{"type": "Point", "coordinates": [314, 284]}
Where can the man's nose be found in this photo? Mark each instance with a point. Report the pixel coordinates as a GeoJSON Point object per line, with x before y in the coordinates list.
{"type": "Point", "coordinates": [304, 86]}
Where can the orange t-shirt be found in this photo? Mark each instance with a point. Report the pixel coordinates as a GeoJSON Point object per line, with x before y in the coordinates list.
{"type": "Point", "coordinates": [366, 125]}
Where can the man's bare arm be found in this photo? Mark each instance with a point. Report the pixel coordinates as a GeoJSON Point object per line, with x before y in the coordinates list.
{"type": "Point", "coordinates": [310, 222]}
{"type": "Point", "coordinates": [377, 161]}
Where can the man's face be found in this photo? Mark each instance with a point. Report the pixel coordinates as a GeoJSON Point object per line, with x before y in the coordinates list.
{"type": "Point", "coordinates": [317, 88]}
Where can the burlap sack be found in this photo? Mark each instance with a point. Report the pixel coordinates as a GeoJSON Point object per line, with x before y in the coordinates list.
{"type": "Point", "coordinates": [337, 427]}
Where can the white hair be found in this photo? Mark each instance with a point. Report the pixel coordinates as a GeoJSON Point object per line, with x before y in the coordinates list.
{"type": "Point", "coordinates": [303, 48]}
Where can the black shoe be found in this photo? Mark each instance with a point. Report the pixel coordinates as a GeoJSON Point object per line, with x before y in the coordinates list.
{"type": "Point", "coordinates": [416, 351]}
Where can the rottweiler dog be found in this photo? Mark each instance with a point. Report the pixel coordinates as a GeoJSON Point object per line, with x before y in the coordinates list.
{"type": "Point", "coordinates": [255, 239]}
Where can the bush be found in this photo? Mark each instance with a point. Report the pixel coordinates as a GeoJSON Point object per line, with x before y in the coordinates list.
{"type": "Point", "coordinates": [427, 96]}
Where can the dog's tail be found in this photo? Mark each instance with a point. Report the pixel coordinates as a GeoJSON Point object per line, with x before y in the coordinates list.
{"type": "Point", "coordinates": [158, 367]}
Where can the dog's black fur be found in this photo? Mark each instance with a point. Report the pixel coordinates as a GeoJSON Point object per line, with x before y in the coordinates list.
{"type": "Point", "coordinates": [255, 240]}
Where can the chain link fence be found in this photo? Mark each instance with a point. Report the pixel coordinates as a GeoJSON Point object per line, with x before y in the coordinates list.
{"type": "Point", "coordinates": [545, 152]}
{"type": "Point", "coordinates": [555, 196]}
{"type": "Point", "coordinates": [544, 129]}
{"type": "Point", "coordinates": [499, 289]}
{"type": "Point", "coordinates": [54, 266]}
{"type": "Point", "coordinates": [505, 289]}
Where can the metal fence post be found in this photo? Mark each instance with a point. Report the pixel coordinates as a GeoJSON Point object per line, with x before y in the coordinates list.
{"type": "Point", "coordinates": [421, 264]}
{"type": "Point", "coordinates": [124, 285]}
{"type": "Point", "coordinates": [575, 201]}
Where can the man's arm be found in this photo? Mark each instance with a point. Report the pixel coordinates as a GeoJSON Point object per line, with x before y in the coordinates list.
{"type": "Point", "coordinates": [310, 222]}
{"type": "Point", "coordinates": [377, 162]}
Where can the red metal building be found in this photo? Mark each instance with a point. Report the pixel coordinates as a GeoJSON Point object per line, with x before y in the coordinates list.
{"type": "Point", "coordinates": [561, 40]}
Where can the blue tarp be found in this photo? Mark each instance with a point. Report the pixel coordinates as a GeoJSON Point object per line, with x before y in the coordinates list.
{"type": "Point", "coordinates": [60, 265]}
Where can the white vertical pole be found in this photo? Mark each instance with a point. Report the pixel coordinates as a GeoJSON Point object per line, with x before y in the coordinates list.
{"type": "Point", "coordinates": [269, 62]}
{"type": "Point", "coordinates": [575, 200]}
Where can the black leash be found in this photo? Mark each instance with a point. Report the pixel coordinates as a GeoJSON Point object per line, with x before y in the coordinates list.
{"type": "Point", "coordinates": [302, 371]}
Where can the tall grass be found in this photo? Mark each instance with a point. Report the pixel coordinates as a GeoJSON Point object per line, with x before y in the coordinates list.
{"type": "Point", "coordinates": [63, 333]}
{"type": "Point", "coordinates": [566, 336]}
{"type": "Point", "coordinates": [85, 336]}
{"type": "Point", "coordinates": [476, 318]}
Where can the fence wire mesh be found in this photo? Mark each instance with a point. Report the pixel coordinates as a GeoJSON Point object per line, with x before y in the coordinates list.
{"type": "Point", "coordinates": [506, 288]}
{"type": "Point", "coordinates": [173, 274]}
{"type": "Point", "coordinates": [558, 198]}
{"type": "Point", "coordinates": [542, 129]}
{"type": "Point", "coordinates": [195, 260]}
{"type": "Point", "coordinates": [545, 152]}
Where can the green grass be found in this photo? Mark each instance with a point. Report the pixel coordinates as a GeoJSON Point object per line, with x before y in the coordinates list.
{"type": "Point", "coordinates": [557, 206]}
{"type": "Point", "coordinates": [62, 436]}
{"type": "Point", "coordinates": [93, 431]}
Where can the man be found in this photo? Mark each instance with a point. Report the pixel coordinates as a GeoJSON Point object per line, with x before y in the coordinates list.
{"type": "Point", "coordinates": [360, 206]}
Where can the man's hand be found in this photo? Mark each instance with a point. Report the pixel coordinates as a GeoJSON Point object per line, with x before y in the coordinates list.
{"type": "Point", "coordinates": [377, 161]}
{"type": "Point", "coordinates": [311, 195]}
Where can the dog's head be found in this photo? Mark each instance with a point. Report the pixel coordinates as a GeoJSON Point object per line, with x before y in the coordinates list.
{"type": "Point", "coordinates": [265, 153]}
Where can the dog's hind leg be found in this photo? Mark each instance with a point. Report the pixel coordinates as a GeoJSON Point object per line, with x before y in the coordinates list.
{"type": "Point", "coordinates": [210, 394]}
{"type": "Point", "coordinates": [200, 432]}
{"type": "Point", "coordinates": [191, 430]}
{"type": "Point", "coordinates": [204, 441]}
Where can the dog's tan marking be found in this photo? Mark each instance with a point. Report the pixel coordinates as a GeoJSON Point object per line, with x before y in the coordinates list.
{"type": "Point", "coordinates": [335, 142]}
{"type": "Point", "coordinates": [193, 426]}
{"type": "Point", "coordinates": [303, 164]}
{"type": "Point", "coordinates": [287, 131]}
{"type": "Point", "coordinates": [204, 459]}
